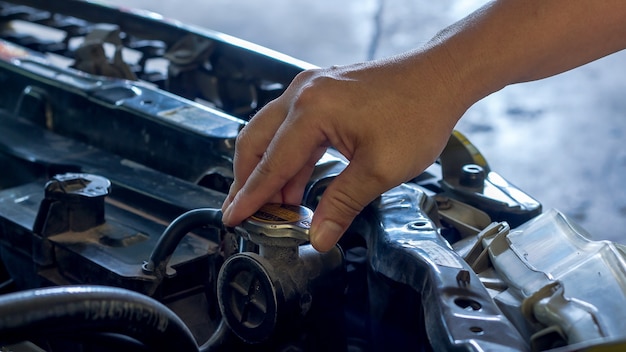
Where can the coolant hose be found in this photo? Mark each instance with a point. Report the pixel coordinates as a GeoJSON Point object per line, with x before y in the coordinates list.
{"type": "Point", "coordinates": [87, 309]}
{"type": "Point", "coordinates": [175, 232]}
{"type": "Point", "coordinates": [217, 339]}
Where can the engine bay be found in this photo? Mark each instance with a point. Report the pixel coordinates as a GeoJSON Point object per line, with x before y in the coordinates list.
{"type": "Point", "coordinates": [117, 138]}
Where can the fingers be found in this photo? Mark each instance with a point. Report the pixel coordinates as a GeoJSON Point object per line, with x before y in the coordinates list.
{"type": "Point", "coordinates": [293, 191]}
{"type": "Point", "coordinates": [286, 165]}
{"type": "Point", "coordinates": [251, 144]}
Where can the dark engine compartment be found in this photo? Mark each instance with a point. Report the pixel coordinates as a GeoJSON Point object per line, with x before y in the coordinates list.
{"type": "Point", "coordinates": [113, 172]}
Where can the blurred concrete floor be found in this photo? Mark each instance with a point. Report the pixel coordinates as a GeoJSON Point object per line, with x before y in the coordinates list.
{"type": "Point", "coordinates": [559, 139]}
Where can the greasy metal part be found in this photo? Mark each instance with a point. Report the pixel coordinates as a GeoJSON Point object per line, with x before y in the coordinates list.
{"type": "Point", "coordinates": [190, 50]}
{"type": "Point", "coordinates": [468, 178]}
{"type": "Point", "coordinates": [230, 74]}
{"type": "Point", "coordinates": [459, 152]}
{"type": "Point", "coordinates": [463, 277]}
{"type": "Point", "coordinates": [157, 119]}
{"type": "Point", "coordinates": [271, 292]}
{"type": "Point", "coordinates": [473, 177]}
{"type": "Point", "coordinates": [70, 221]}
{"type": "Point", "coordinates": [249, 297]}
{"type": "Point", "coordinates": [141, 205]}
{"type": "Point", "coordinates": [54, 154]}
{"type": "Point", "coordinates": [217, 178]}
{"type": "Point", "coordinates": [455, 303]}
{"type": "Point", "coordinates": [72, 202]}
{"type": "Point", "coordinates": [185, 57]}
{"type": "Point", "coordinates": [468, 220]}
{"type": "Point", "coordinates": [34, 104]}
{"type": "Point", "coordinates": [91, 58]}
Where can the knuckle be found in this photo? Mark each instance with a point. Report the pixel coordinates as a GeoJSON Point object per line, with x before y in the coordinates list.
{"type": "Point", "coordinates": [309, 95]}
{"type": "Point", "coordinates": [305, 76]}
{"type": "Point", "coordinates": [314, 91]}
{"type": "Point", "coordinates": [379, 174]}
{"type": "Point", "coordinates": [266, 167]}
{"type": "Point", "coordinates": [345, 205]}
{"type": "Point", "coordinates": [241, 137]}
{"type": "Point", "coordinates": [382, 177]}
{"type": "Point", "coordinates": [269, 168]}
{"type": "Point", "coordinates": [244, 139]}
{"type": "Point", "coordinates": [240, 141]}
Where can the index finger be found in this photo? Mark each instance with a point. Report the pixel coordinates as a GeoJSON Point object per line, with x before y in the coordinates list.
{"type": "Point", "coordinates": [296, 143]}
{"type": "Point", "coordinates": [251, 144]}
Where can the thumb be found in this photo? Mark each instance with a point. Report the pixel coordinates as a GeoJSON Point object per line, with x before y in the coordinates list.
{"type": "Point", "coordinates": [342, 201]}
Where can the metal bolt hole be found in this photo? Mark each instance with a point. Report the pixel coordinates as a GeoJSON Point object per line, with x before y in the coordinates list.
{"type": "Point", "coordinates": [477, 330]}
{"type": "Point", "coordinates": [419, 225]}
{"type": "Point", "coordinates": [468, 304]}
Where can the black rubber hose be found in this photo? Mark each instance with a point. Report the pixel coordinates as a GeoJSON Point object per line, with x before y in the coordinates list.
{"type": "Point", "coordinates": [215, 342]}
{"type": "Point", "coordinates": [175, 232]}
{"type": "Point", "coordinates": [88, 309]}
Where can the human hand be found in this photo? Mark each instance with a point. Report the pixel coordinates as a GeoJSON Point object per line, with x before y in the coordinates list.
{"type": "Point", "coordinates": [390, 119]}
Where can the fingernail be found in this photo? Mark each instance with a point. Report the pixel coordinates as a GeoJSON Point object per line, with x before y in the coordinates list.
{"type": "Point", "coordinates": [326, 235]}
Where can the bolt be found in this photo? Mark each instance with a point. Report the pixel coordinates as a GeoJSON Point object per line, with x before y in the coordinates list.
{"type": "Point", "coordinates": [463, 277]}
{"type": "Point", "coordinates": [472, 176]}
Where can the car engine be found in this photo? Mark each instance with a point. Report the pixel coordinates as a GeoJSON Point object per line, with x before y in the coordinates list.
{"type": "Point", "coordinates": [117, 134]}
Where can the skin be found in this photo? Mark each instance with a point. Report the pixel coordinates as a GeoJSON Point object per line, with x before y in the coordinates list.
{"type": "Point", "coordinates": [392, 117]}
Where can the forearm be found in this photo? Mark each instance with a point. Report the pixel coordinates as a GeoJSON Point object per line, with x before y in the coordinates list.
{"type": "Point", "coordinates": [511, 41]}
